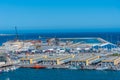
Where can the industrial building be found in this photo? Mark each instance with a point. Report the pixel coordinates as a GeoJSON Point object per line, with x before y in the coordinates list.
{"type": "Point", "coordinates": [88, 44]}
{"type": "Point", "coordinates": [30, 59]}
{"type": "Point", "coordinates": [83, 59]}
{"type": "Point", "coordinates": [56, 59]}
{"type": "Point", "coordinates": [111, 61]}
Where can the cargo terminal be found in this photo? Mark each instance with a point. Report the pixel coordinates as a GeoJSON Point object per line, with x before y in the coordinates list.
{"type": "Point", "coordinates": [111, 61]}
{"type": "Point", "coordinates": [31, 59]}
{"type": "Point", "coordinates": [63, 51]}
{"type": "Point", "coordinates": [84, 59]}
{"type": "Point", "coordinates": [56, 59]}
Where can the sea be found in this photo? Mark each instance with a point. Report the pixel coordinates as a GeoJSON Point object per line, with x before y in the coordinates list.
{"type": "Point", "coordinates": [113, 37]}
{"type": "Point", "coordinates": [60, 74]}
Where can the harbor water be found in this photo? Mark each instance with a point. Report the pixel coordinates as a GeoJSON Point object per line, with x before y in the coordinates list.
{"type": "Point", "coordinates": [60, 74]}
{"type": "Point", "coordinates": [108, 36]}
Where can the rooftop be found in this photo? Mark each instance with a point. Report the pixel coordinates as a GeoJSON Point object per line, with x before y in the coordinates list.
{"type": "Point", "coordinates": [83, 57]}
{"type": "Point", "coordinates": [110, 58]}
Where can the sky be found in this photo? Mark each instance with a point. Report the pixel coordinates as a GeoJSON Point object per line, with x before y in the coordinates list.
{"type": "Point", "coordinates": [60, 15]}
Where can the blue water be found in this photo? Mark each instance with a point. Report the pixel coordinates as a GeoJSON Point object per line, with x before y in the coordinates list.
{"type": "Point", "coordinates": [60, 74]}
{"type": "Point", "coordinates": [109, 36]}
{"type": "Point", "coordinates": [93, 40]}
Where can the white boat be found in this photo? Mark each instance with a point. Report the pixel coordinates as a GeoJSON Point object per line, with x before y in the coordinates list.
{"type": "Point", "coordinates": [48, 67]}
{"type": "Point", "coordinates": [66, 66]}
{"type": "Point", "coordinates": [101, 68]}
{"type": "Point", "coordinates": [73, 67]}
{"type": "Point", "coordinates": [6, 70]}
{"type": "Point", "coordinates": [13, 68]}
{"type": "Point", "coordinates": [0, 71]}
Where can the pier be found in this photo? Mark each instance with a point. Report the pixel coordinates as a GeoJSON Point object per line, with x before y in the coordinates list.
{"type": "Point", "coordinates": [80, 53]}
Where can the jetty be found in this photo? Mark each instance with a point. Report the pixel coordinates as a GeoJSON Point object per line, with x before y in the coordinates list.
{"type": "Point", "coordinates": [70, 53]}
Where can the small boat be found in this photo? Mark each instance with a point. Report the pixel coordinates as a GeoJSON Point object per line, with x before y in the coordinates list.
{"type": "Point", "coordinates": [0, 71]}
{"type": "Point", "coordinates": [101, 68]}
{"type": "Point", "coordinates": [66, 66]}
{"type": "Point", "coordinates": [73, 67]}
{"type": "Point", "coordinates": [13, 68]}
{"type": "Point", "coordinates": [6, 70]}
{"type": "Point", "coordinates": [37, 66]}
{"type": "Point", "coordinates": [48, 67]}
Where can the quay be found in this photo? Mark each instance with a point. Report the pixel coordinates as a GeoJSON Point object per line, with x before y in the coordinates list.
{"type": "Point", "coordinates": [71, 53]}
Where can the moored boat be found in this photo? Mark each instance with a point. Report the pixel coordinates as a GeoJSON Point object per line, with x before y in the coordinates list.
{"type": "Point", "coordinates": [73, 67]}
{"type": "Point", "coordinates": [37, 66]}
{"type": "Point", "coordinates": [101, 68]}
{"type": "Point", "coordinates": [6, 70]}
{"type": "Point", "coordinates": [0, 71]}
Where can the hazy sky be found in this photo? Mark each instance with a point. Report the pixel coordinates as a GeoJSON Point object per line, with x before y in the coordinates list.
{"type": "Point", "coordinates": [80, 15]}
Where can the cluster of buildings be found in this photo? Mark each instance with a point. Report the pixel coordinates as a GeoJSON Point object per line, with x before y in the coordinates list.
{"type": "Point", "coordinates": [18, 46]}
{"type": "Point", "coordinates": [59, 51]}
{"type": "Point", "coordinates": [61, 45]}
{"type": "Point", "coordinates": [79, 60]}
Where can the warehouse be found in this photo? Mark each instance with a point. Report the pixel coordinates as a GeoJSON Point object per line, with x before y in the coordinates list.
{"type": "Point", "coordinates": [56, 59]}
{"type": "Point", "coordinates": [111, 61]}
{"type": "Point", "coordinates": [84, 59]}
